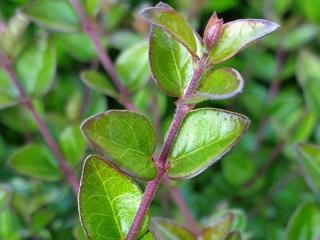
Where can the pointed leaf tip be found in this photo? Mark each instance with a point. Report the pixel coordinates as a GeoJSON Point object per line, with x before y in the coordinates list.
{"type": "Point", "coordinates": [237, 35]}
{"type": "Point", "coordinates": [174, 23]}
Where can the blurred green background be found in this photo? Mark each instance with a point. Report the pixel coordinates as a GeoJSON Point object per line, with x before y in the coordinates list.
{"type": "Point", "coordinates": [262, 180]}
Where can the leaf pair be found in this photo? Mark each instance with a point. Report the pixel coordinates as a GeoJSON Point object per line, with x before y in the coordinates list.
{"type": "Point", "coordinates": [128, 140]}
{"type": "Point", "coordinates": [173, 45]}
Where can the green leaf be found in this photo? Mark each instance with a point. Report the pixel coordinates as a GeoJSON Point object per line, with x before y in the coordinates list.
{"type": "Point", "coordinates": [170, 62]}
{"type": "Point", "coordinates": [219, 229]}
{"type": "Point", "coordinates": [308, 76]}
{"type": "Point", "coordinates": [108, 201]}
{"type": "Point", "coordinates": [149, 236]}
{"type": "Point", "coordinates": [127, 138]}
{"type": "Point", "coordinates": [9, 227]}
{"type": "Point", "coordinates": [231, 165]}
{"type": "Point", "coordinates": [5, 196]}
{"type": "Point", "coordinates": [175, 24]}
{"type": "Point", "coordinates": [217, 84]}
{"type": "Point", "coordinates": [72, 144]}
{"type": "Point", "coordinates": [234, 236]}
{"type": "Point", "coordinates": [170, 230]}
{"type": "Point", "coordinates": [236, 35]}
{"type": "Point", "coordinates": [37, 65]}
{"type": "Point", "coordinates": [12, 33]}
{"type": "Point", "coordinates": [56, 15]}
{"type": "Point", "coordinates": [98, 82]}
{"type": "Point", "coordinates": [132, 66]}
{"type": "Point", "coordinates": [36, 160]}
{"type": "Point", "coordinates": [298, 36]}
{"type": "Point", "coordinates": [310, 163]}
{"type": "Point", "coordinates": [78, 45]}
{"type": "Point", "coordinates": [305, 222]}
{"type": "Point", "coordinates": [205, 135]}
{"type": "Point", "coordinates": [92, 7]}
{"type": "Point", "coordinates": [9, 96]}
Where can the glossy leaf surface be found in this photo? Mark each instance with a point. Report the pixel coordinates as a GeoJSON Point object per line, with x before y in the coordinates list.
{"type": "Point", "coordinates": [36, 160]}
{"type": "Point", "coordinates": [132, 66]}
{"type": "Point", "coordinates": [238, 34]}
{"type": "Point", "coordinates": [57, 15]}
{"type": "Point", "coordinates": [310, 163]}
{"type": "Point", "coordinates": [98, 82]}
{"type": "Point", "coordinates": [205, 135]}
{"type": "Point", "coordinates": [304, 223]}
{"type": "Point", "coordinates": [108, 201]}
{"type": "Point", "coordinates": [127, 138]}
{"type": "Point", "coordinates": [170, 62]}
{"type": "Point", "coordinates": [217, 84]}
{"type": "Point", "coordinates": [219, 229]}
{"type": "Point", "coordinates": [174, 23]}
{"type": "Point", "coordinates": [170, 230]}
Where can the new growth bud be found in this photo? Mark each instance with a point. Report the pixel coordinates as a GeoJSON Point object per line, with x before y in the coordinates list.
{"type": "Point", "coordinates": [213, 31]}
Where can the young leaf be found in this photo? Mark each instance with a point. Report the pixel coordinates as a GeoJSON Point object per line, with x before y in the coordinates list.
{"type": "Point", "coordinates": [219, 229]}
{"type": "Point", "coordinates": [149, 236]}
{"type": "Point", "coordinates": [310, 163]}
{"type": "Point", "coordinates": [133, 67]}
{"type": "Point", "coordinates": [56, 15]}
{"type": "Point", "coordinates": [234, 236]}
{"type": "Point", "coordinates": [170, 62]}
{"type": "Point", "coordinates": [127, 138]}
{"type": "Point", "coordinates": [236, 35]}
{"type": "Point", "coordinates": [205, 135]}
{"type": "Point", "coordinates": [36, 160]}
{"type": "Point", "coordinates": [213, 31]}
{"type": "Point", "coordinates": [175, 24]}
{"type": "Point", "coordinates": [98, 82]}
{"type": "Point", "coordinates": [305, 222]}
{"type": "Point", "coordinates": [217, 84]}
{"type": "Point", "coordinates": [170, 230]}
{"type": "Point", "coordinates": [72, 144]}
{"type": "Point", "coordinates": [108, 201]}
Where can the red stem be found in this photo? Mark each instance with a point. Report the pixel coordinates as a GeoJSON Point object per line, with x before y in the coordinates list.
{"type": "Point", "coordinates": [153, 185]}
{"type": "Point", "coordinates": [65, 168]}
{"type": "Point", "coordinates": [90, 29]}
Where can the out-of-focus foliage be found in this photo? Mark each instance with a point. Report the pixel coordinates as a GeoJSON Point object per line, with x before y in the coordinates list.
{"type": "Point", "coordinates": [269, 182]}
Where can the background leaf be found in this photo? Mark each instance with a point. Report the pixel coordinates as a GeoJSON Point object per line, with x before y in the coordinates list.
{"type": "Point", "coordinates": [36, 160]}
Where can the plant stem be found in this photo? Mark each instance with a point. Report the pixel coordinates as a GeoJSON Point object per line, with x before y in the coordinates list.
{"type": "Point", "coordinates": [90, 29]}
{"type": "Point", "coordinates": [65, 168]}
{"type": "Point", "coordinates": [174, 191]}
{"type": "Point", "coordinates": [161, 162]}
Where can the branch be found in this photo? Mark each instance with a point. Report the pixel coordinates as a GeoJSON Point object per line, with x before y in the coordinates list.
{"type": "Point", "coordinates": [174, 191]}
{"type": "Point", "coordinates": [65, 168]}
{"type": "Point", "coordinates": [161, 162]}
{"type": "Point", "coordinates": [90, 29]}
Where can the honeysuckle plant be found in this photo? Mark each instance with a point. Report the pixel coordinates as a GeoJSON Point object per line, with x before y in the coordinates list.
{"type": "Point", "coordinates": [111, 204]}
